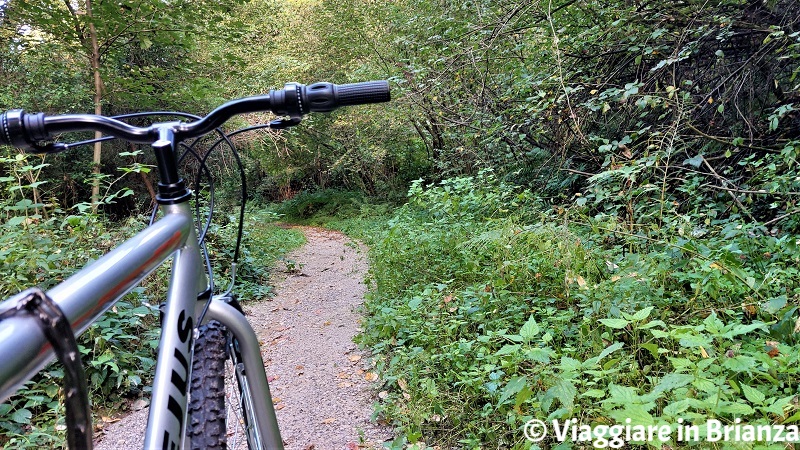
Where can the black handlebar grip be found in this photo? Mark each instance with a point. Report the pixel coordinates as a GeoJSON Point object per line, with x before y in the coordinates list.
{"type": "Point", "coordinates": [363, 93]}
{"type": "Point", "coordinates": [22, 130]}
{"type": "Point", "coordinates": [323, 97]}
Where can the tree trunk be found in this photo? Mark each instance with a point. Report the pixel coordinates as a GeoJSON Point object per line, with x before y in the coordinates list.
{"type": "Point", "coordinates": [98, 107]}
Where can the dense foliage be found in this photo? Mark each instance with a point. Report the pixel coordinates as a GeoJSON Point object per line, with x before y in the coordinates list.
{"type": "Point", "coordinates": [488, 310]}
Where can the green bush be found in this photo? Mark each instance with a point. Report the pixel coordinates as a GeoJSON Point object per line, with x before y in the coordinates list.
{"type": "Point", "coordinates": [487, 310]}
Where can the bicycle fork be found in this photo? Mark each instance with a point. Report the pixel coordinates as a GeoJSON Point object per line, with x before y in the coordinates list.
{"type": "Point", "coordinates": [168, 408]}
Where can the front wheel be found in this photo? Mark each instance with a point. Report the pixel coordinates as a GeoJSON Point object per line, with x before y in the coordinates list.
{"type": "Point", "coordinates": [220, 415]}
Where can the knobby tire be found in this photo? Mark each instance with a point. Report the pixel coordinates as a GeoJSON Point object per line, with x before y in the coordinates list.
{"type": "Point", "coordinates": [207, 427]}
{"type": "Point", "coordinates": [220, 416]}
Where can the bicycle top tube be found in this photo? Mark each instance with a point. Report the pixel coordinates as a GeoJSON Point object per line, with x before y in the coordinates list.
{"type": "Point", "coordinates": [26, 131]}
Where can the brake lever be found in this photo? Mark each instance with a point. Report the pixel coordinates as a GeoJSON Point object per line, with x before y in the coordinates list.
{"type": "Point", "coordinates": [49, 148]}
{"type": "Point", "coordinates": [282, 124]}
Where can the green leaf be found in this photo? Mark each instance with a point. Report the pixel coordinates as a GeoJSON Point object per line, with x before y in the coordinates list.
{"type": "Point", "coordinates": [734, 408]}
{"type": "Point", "coordinates": [753, 395]}
{"type": "Point", "coordinates": [614, 323]}
{"type": "Point", "coordinates": [637, 413]}
{"type": "Point", "coordinates": [523, 396]}
{"type": "Point", "coordinates": [740, 329]}
{"type": "Point", "coordinates": [530, 329]}
{"type": "Point", "coordinates": [672, 381]}
{"type": "Point", "coordinates": [774, 305]}
{"type": "Point", "coordinates": [713, 324]}
{"type": "Point", "coordinates": [611, 363]}
{"type": "Point", "coordinates": [652, 348]}
{"type": "Point", "coordinates": [705, 385]}
{"type": "Point", "coordinates": [541, 355]}
{"type": "Point", "coordinates": [15, 221]}
{"type": "Point", "coordinates": [692, 341]}
{"type": "Point", "coordinates": [514, 386]}
{"type": "Point", "coordinates": [594, 393]}
{"type": "Point", "coordinates": [609, 350]}
{"type": "Point", "coordinates": [622, 395]}
{"type": "Point", "coordinates": [694, 162]}
{"type": "Point", "coordinates": [508, 349]}
{"type": "Point", "coordinates": [569, 364]}
{"type": "Point", "coordinates": [641, 315]}
{"type": "Point", "coordinates": [739, 363]}
{"type": "Point", "coordinates": [564, 391]}
{"type": "Point", "coordinates": [22, 416]}
{"type": "Point", "coordinates": [651, 324]}
{"type": "Point", "coordinates": [675, 408]}
{"type": "Point", "coordinates": [658, 334]}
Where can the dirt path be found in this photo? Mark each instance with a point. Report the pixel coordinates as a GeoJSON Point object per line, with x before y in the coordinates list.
{"type": "Point", "coordinates": [319, 380]}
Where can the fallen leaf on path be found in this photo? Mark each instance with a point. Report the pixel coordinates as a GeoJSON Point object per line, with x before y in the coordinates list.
{"type": "Point", "coordinates": [354, 358]}
{"type": "Point", "coordinates": [272, 378]}
{"type": "Point", "coordinates": [279, 407]}
{"type": "Point", "coordinates": [344, 375]}
{"type": "Point", "coordinates": [276, 400]}
{"type": "Point", "coordinates": [352, 446]}
{"type": "Point", "coordinates": [383, 395]}
{"type": "Point", "coordinates": [371, 376]}
{"type": "Point", "coordinates": [329, 420]}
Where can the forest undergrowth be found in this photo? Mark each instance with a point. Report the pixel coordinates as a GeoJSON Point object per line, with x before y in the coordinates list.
{"type": "Point", "coordinates": [489, 308]}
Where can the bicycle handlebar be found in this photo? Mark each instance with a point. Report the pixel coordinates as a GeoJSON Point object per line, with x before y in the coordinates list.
{"type": "Point", "coordinates": [25, 130]}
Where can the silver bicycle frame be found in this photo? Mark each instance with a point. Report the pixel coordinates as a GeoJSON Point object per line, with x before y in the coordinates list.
{"type": "Point", "coordinates": [85, 296]}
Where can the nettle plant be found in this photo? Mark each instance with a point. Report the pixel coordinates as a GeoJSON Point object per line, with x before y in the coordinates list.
{"type": "Point", "coordinates": [41, 244]}
{"type": "Point", "coordinates": [488, 311]}
{"type": "Point", "coordinates": [20, 176]}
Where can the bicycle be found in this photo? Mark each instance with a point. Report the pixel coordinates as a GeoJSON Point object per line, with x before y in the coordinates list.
{"type": "Point", "coordinates": [201, 330]}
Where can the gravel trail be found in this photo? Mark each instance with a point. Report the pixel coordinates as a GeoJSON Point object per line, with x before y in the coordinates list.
{"type": "Point", "coordinates": [319, 380]}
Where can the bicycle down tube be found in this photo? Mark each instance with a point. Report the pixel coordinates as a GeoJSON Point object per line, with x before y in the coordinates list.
{"type": "Point", "coordinates": [85, 296]}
